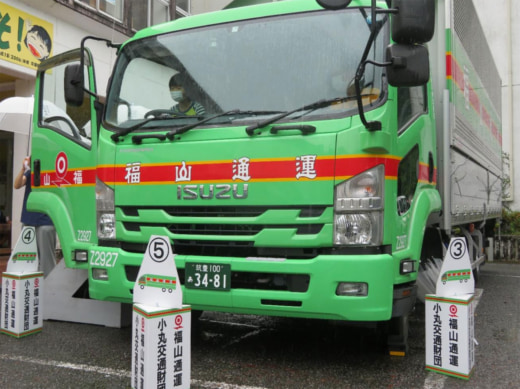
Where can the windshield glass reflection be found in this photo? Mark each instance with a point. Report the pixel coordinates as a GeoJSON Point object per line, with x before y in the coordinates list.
{"type": "Point", "coordinates": [256, 66]}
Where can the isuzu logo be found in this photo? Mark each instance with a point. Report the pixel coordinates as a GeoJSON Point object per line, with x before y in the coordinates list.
{"type": "Point", "coordinates": [208, 192]}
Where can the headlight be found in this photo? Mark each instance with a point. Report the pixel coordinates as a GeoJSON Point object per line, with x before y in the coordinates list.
{"type": "Point", "coordinates": [106, 218]}
{"type": "Point", "coordinates": [357, 228]}
{"type": "Point", "coordinates": [358, 209]}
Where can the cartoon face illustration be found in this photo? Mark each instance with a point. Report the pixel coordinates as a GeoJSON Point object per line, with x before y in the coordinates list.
{"type": "Point", "coordinates": [38, 42]}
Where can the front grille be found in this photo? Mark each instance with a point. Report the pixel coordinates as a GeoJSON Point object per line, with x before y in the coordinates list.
{"type": "Point", "coordinates": [227, 230]}
{"type": "Point", "coordinates": [225, 211]}
{"type": "Point", "coordinates": [224, 229]}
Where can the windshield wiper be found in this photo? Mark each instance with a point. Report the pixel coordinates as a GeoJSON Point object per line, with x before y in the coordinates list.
{"type": "Point", "coordinates": [170, 135]}
{"type": "Point", "coordinates": [309, 107]}
{"type": "Point", "coordinates": [115, 136]}
{"type": "Point", "coordinates": [188, 127]}
{"type": "Point", "coordinates": [255, 113]}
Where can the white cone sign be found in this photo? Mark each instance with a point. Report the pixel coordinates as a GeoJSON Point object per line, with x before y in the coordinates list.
{"type": "Point", "coordinates": [22, 305]}
{"type": "Point", "coordinates": [456, 277]}
{"type": "Point", "coordinates": [161, 329]}
{"type": "Point", "coordinates": [24, 258]}
{"type": "Point", "coordinates": [449, 333]}
{"type": "Point", "coordinates": [157, 283]}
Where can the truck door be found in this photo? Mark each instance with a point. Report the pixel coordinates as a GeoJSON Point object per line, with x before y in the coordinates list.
{"type": "Point", "coordinates": [63, 157]}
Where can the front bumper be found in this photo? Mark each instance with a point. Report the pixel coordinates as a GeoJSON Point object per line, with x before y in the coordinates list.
{"type": "Point", "coordinates": [310, 293]}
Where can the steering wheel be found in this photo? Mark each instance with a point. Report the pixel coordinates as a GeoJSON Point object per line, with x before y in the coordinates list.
{"type": "Point", "coordinates": [163, 112]}
{"type": "Point", "coordinates": [73, 129]}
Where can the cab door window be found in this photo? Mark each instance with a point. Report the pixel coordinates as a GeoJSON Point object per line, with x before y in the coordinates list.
{"type": "Point", "coordinates": [407, 178]}
{"type": "Point", "coordinates": [55, 114]}
{"type": "Point", "coordinates": [411, 103]}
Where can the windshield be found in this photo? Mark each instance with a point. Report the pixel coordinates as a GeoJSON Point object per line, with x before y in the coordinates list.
{"type": "Point", "coordinates": [259, 67]}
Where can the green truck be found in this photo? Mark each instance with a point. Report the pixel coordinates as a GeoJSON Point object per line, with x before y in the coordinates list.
{"type": "Point", "coordinates": [339, 145]}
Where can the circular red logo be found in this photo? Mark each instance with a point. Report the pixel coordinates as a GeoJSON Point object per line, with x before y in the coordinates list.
{"type": "Point", "coordinates": [61, 165]}
{"type": "Point", "coordinates": [453, 309]}
{"type": "Point", "coordinates": [178, 320]}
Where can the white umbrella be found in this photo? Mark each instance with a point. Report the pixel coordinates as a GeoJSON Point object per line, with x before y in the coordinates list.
{"type": "Point", "coordinates": [16, 114]}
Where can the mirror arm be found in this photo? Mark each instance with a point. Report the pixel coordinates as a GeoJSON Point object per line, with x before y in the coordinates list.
{"type": "Point", "coordinates": [370, 126]}
{"type": "Point", "coordinates": [90, 93]}
{"type": "Point", "coordinates": [95, 38]}
{"type": "Point", "coordinates": [380, 64]}
{"type": "Point", "coordinates": [109, 43]}
{"type": "Point", "coordinates": [391, 11]}
{"type": "Point", "coordinates": [375, 125]}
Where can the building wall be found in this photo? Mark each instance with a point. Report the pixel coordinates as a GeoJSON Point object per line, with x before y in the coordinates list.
{"type": "Point", "coordinates": [499, 21]}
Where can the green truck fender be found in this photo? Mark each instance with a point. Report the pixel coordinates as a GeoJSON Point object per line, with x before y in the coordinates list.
{"type": "Point", "coordinates": [427, 202]}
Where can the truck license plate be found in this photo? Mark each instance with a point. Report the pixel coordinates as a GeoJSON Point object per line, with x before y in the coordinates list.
{"type": "Point", "coordinates": [212, 276]}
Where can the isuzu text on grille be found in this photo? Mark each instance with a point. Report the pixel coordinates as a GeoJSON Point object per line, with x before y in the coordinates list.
{"type": "Point", "coordinates": [207, 192]}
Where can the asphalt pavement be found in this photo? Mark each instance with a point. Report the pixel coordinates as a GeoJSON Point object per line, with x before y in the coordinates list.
{"type": "Point", "coordinates": [253, 352]}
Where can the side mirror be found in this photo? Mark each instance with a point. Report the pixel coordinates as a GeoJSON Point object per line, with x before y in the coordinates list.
{"type": "Point", "coordinates": [409, 65]}
{"type": "Point", "coordinates": [73, 85]}
{"type": "Point", "coordinates": [334, 4]}
{"type": "Point", "coordinates": [414, 21]}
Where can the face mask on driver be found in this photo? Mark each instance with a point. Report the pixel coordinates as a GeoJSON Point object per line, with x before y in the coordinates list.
{"type": "Point", "coordinates": [177, 95]}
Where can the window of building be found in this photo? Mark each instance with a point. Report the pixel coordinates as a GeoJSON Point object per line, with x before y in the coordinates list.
{"type": "Point", "coordinates": [184, 7]}
{"type": "Point", "coordinates": [132, 15]}
{"type": "Point", "coordinates": [149, 12]}
{"type": "Point", "coordinates": [112, 8]}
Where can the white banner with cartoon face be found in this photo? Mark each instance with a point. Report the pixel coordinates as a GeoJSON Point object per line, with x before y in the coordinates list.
{"type": "Point", "coordinates": [26, 40]}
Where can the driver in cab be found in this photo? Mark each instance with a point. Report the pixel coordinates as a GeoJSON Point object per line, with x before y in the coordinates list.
{"type": "Point", "coordinates": [184, 105]}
